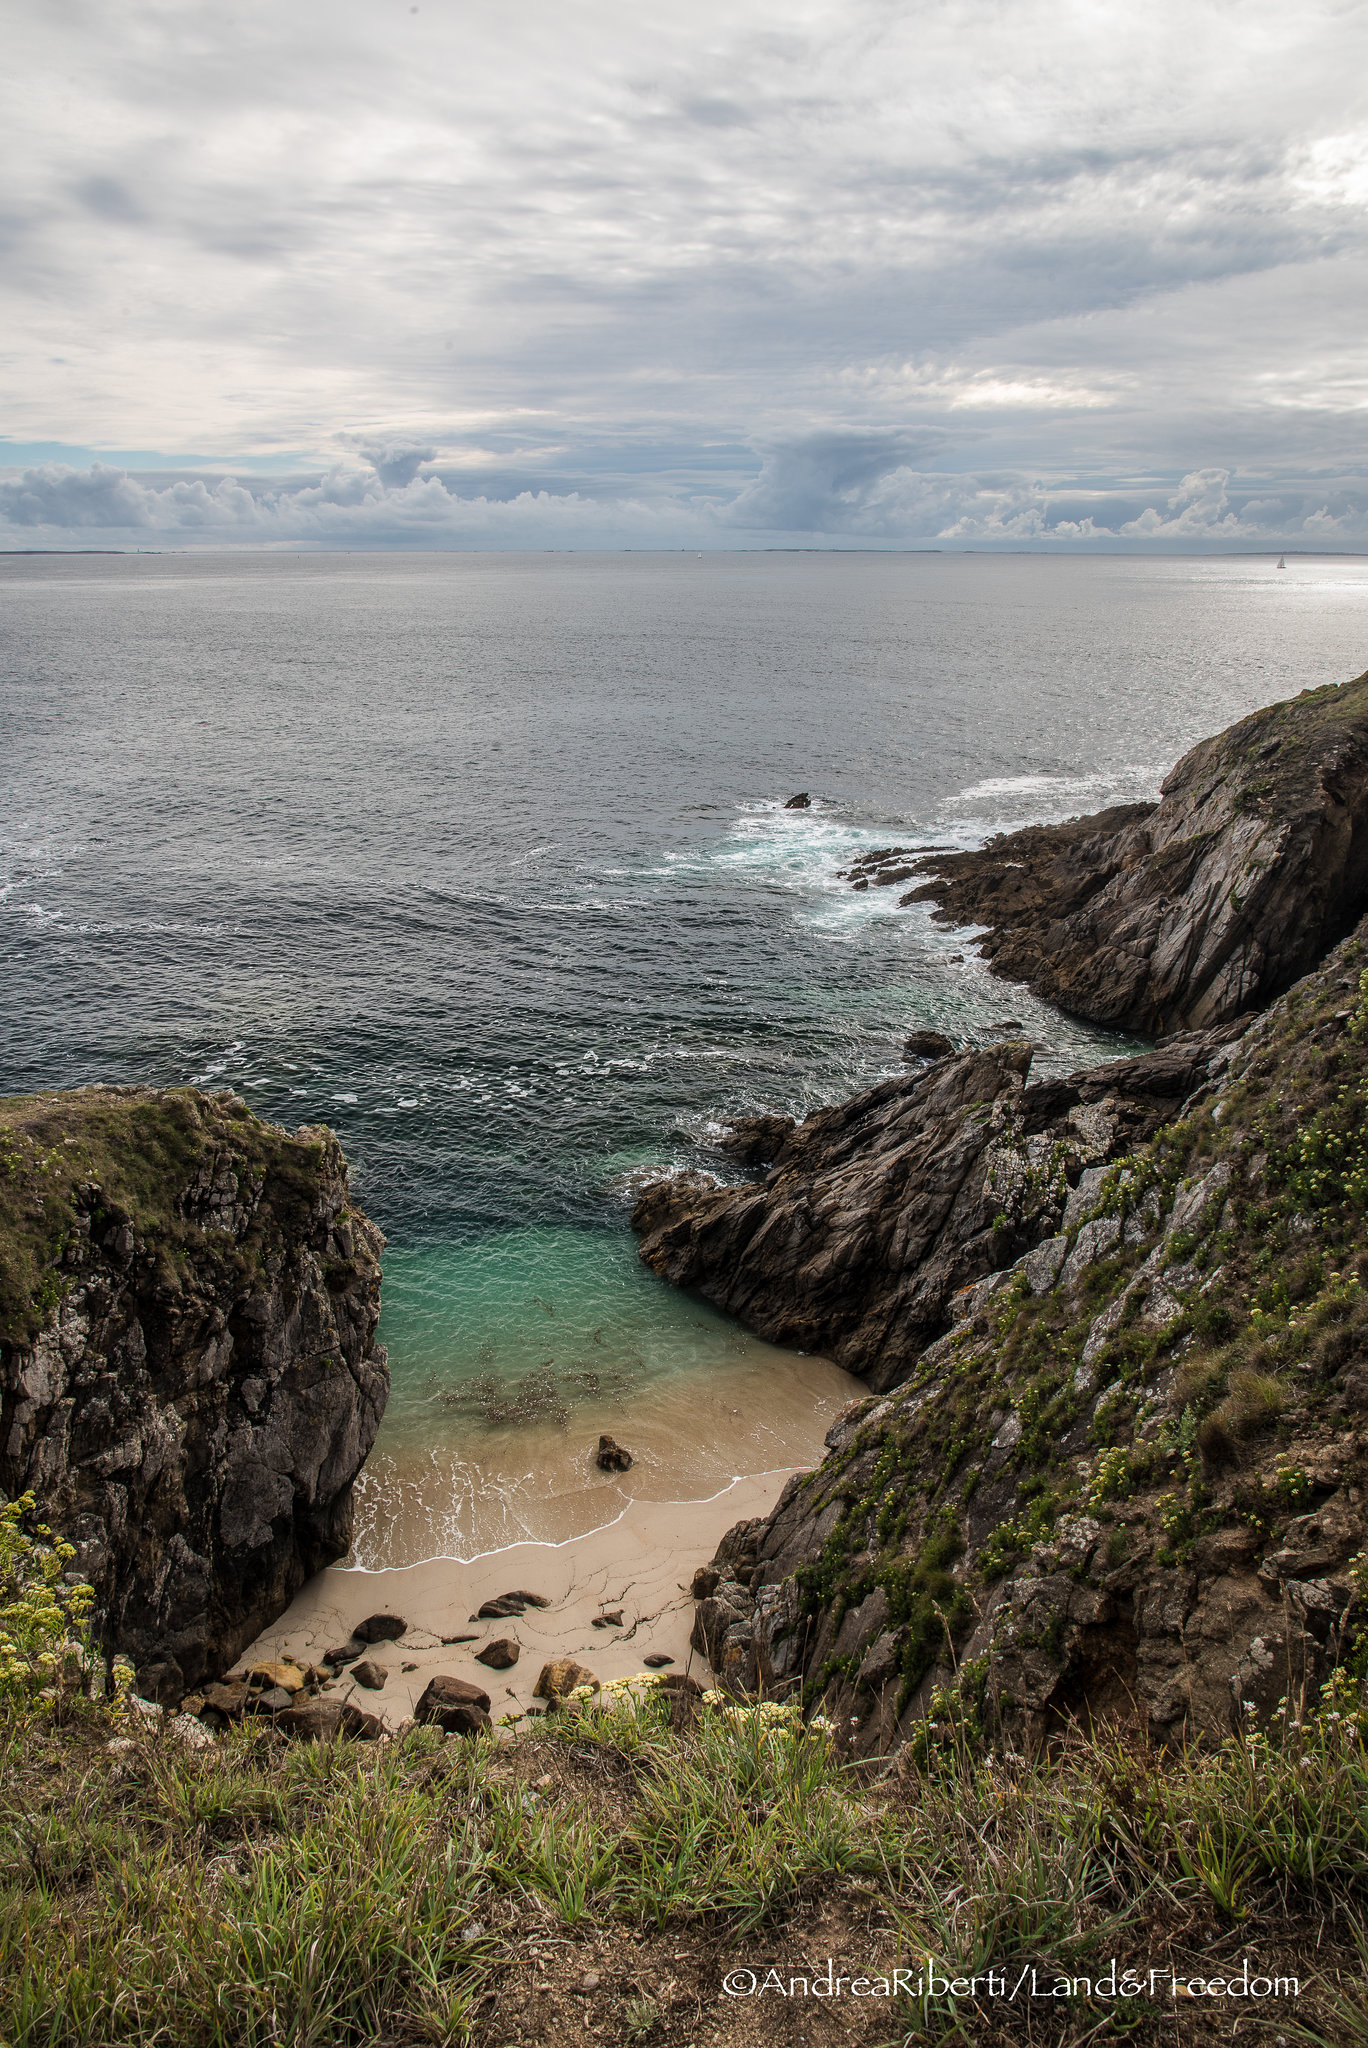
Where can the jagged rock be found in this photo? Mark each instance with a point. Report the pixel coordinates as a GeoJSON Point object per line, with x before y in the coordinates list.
{"type": "Point", "coordinates": [611, 1457]}
{"type": "Point", "coordinates": [880, 1666]}
{"type": "Point", "coordinates": [1186, 913]}
{"type": "Point", "coordinates": [878, 1212]}
{"type": "Point", "coordinates": [500, 1655]}
{"type": "Point", "coordinates": [1093, 1242]}
{"type": "Point", "coordinates": [196, 1403]}
{"type": "Point", "coordinates": [800, 802]}
{"type": "Point", "coordinates": [455, 1705]}
{"type": "Point", "coordinates": [380, 1628]}
{"type": "Point", "coordinates": [612, 1619]}
{"type": "Point", "coordinates": [1140, 1603]}
{"type": "Point", "coordinates": [370, 1674]}
{"type": "Point", "coordinates": [327, 1720]}
{"type": "Point", "coordinates": [1040, 1268]}
{"type": "Point", "coordinates": [757, 1140]}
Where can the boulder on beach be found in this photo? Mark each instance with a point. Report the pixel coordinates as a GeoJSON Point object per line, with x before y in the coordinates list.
{"type": "Point", "coordinates": [326, 1720]}
{"type": "Point", "coordinates": [370, 1674]}
{"type": "Point", "coordinates": [560, 1677]}
{"type": "Point", "coordinates": [611, 1457]}
{"type": "Point", "coordinates": [454, 1705]}
{"type": "Point", "coordinates": [288, 1677]}
{"type": "Point", "coordinates": [506, 1605]}
{"type": "Point", "coordinates": [380, 1628]}
{"type": "Point", "coordinates": [500, 1655]}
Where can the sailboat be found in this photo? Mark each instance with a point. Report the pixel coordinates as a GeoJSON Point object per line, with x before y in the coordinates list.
{"type": "Point", "coordinates": [1282, 561]}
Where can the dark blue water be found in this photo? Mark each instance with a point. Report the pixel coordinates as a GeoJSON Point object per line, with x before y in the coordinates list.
{"type": "Point", "coordinates": [481, 860]}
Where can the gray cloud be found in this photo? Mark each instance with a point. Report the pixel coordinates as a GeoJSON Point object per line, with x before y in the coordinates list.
{"type": "Point", "coordinates": [942, 271]}
{"type": "Point", "coordinates": [852, 491]}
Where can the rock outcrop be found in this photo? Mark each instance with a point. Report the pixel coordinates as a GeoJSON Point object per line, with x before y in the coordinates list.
{"type": "Point", "coordinates": [877, 1215]}
{"type": "Point", "coordinates": [1132, 1482]}
{"type": "Point", "coordinates": [1191, 912]}
{"type": "Point", "coordinates": [189, 1378]}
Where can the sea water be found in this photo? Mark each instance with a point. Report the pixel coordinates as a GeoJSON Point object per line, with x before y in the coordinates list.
{"type": "Point", "coordinates": [484, 861]}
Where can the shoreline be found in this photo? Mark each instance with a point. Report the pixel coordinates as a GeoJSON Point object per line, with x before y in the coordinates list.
{"type": "Point", "coordinates": [562, 1542]}
{"type": "Point", "coordinates": [640, 1564]}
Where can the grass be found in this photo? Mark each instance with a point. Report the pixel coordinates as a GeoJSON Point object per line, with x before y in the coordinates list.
{"type": "Point", "coordinates": [79, 1164]}
{"type": "Point", "coordinates": [432, 1890]}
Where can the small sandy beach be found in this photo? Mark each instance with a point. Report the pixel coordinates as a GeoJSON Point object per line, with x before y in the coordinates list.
{"type": "Point", "coordinates": [640, 1564]}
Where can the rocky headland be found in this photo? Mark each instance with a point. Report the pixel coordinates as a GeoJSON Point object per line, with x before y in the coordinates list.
{"type": "Point", "coordinates": [1184, 914]}
{"type": "Point", "coordinates": [1114, 1462]}
{"type": "Point", "coordinates": [189, 1378]}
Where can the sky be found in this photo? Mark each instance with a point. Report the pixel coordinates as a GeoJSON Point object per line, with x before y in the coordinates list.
{"type": "Point", "coordinates": [1057, 274]}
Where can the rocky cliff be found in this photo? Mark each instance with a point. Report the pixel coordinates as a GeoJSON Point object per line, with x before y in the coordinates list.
{"type": "Point", "coordinates": [1115, 1460]}
{"type": "Point", "coordinates": [189, 1378]}
{"type": "Point", "coordinates": [878, 1215]}
{"type": "Point", "coordinates": [1133, 1479]}
{"type": "Point", "coordinates": [1188, 913]}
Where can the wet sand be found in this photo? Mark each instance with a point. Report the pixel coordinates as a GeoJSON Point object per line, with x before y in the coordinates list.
{"type": "Point", "coordinates": [454, 1484]}
{"type": "Point", "coordinates": [641, 1563]}
{"type": "Point", "coordinates": [454, 1509]}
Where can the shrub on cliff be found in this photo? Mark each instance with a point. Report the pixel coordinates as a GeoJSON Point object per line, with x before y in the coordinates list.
{"type": "Point", "coordinates": [44, 1634]}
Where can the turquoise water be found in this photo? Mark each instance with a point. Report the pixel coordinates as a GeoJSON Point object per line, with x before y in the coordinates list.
{"type": "Point", "coordinates": [483, 861]}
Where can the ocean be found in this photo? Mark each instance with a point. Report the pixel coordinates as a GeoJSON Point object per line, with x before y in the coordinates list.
{"type": "Point", "coordinates": [483, 860]}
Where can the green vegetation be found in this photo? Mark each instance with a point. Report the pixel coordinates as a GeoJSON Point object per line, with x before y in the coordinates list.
{"type": "Point", "coordinates": [433, 1890]}
{"type": "Point", "coordinates": [78, 1167]}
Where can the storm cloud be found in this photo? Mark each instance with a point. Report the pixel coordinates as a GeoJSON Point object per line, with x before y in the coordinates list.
{"type": "Point", "coordinates": [365, 274]}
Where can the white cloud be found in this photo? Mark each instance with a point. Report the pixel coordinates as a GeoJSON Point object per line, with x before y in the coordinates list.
{"type": "Point", "coordinates": [846, 490]}
{"type": "Point", "coordinates": [595, 256]}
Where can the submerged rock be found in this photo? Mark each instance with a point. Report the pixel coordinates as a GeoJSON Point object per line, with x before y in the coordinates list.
{"type": "Point", "coordinates": [928, 1045]}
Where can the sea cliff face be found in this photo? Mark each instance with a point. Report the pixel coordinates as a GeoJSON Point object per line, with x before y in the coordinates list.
{"type": "Point", "coordinates": [878, 1213]}
{"type": "Point", "coordinates": [1185, 914]}
{"type": "Point", "coordinates": [1132, 1480]}
{"type": "Point", "coordinates": [1115, 1463]}
{"type": "Point", "coordinates": [189, 1378]}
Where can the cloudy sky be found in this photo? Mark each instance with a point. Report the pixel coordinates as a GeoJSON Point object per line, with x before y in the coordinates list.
{"type": "Point", "coordinates": [359, 273]}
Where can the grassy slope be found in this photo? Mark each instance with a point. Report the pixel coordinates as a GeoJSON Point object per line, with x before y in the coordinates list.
{"type": "Point", "coordinates": [434, 1889]}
